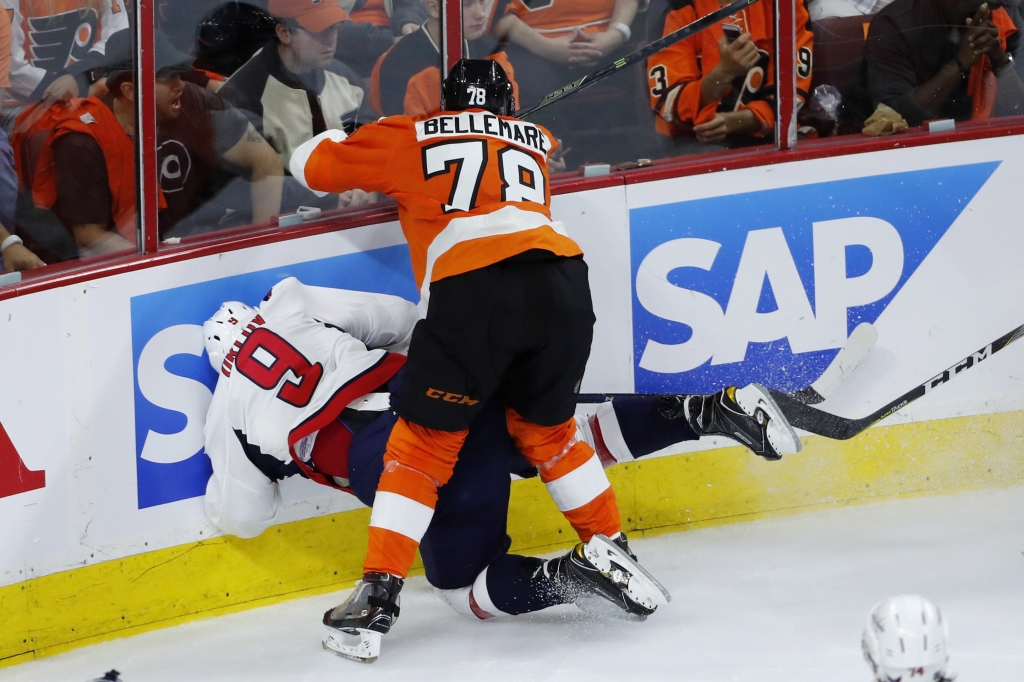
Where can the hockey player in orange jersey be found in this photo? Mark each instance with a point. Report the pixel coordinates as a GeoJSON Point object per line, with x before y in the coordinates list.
{"type": "Point", "coordinates": [508, 312]}
{"type": "Point", "coordinates": [719, 84]}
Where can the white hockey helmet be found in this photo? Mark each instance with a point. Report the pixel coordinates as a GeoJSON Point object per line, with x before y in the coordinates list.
{"type": "Point", "coordinates": [224, 328]}
{"type": "Point", "coordinates": [905, 640]}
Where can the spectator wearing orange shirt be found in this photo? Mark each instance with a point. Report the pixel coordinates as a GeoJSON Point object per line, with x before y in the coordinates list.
{"type": "Point", "coordinates": [401, 16]}
{"type": "Point", "coordinates": [86, 170]}
{"type": "Point", "coordinates": [721, 88]}
{"type": "Point", "coordinates": [556, 41]}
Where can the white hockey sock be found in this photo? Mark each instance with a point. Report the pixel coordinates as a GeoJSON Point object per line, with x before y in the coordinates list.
{"type": "Point", "coordinates": [473, 600]}
{"type": "Point", "coordinates": [608, 434]}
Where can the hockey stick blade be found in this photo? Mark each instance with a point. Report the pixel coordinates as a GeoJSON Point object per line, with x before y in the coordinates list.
{"type": "Point", "coordinates": [856, 348]}
{"type": "Point", "coordinates": [833, 426]}
{"type": "Point", "coordinates": [644, 52]}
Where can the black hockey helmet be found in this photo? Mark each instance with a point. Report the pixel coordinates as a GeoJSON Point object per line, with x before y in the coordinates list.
{"type": "Point", "coordinates": [229, 35]}
{"type": "Point", "coordinates": [478, 83]}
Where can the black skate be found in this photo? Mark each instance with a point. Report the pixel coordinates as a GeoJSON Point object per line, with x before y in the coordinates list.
{"type": "Point", "coordinates": [109, 676]}
{"type": "Point", "coordinates": [608, 569]}
{"type": "Point", "coordinates": [747, 415]}
{"type": "Point", "coordinates": [355, 627]}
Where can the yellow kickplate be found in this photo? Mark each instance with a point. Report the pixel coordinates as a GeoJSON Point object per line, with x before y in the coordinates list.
{"type": "Point", "coordinates": [94, 603]}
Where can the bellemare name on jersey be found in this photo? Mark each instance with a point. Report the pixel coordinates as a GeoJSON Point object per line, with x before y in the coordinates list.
{"type": "Point", "coordinates": [520, 133]}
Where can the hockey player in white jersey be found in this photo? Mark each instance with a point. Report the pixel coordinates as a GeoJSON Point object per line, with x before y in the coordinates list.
{"type": "Point", "coordinates": [304, 390]}
{"type": "Point", "coordinates": [288, 370]}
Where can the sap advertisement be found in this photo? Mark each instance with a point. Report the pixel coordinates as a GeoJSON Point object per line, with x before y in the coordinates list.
{"type": "Point", "coordinates": [765, 286]}
{"type": "Point", "coordinates": [698, 282]}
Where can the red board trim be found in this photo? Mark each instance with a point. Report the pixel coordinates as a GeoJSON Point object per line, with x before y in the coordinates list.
{"type": "Point", "coordinates": [250, 236]}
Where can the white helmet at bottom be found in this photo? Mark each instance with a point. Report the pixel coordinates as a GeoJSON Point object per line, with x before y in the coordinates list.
{"type": "Point", "coordinates": [905, 641]}
{"type": "Point", "coordinates": [224, 328]}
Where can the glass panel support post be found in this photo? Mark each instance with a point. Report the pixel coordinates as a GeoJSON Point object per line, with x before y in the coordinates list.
{"type": "Point", "coordinates": [785, 73]}
{"type": "Point", "coordinates": [146, 178]}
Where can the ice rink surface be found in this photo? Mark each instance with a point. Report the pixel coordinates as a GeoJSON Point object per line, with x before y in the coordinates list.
{"type": "Point", "coordinates": [779, 599]}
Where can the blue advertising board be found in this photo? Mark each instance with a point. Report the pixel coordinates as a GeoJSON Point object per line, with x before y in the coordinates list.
{"type": "Point", "coordinates": [766, 285]}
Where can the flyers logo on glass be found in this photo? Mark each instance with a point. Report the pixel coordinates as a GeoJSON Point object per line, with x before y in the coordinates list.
{"type": "Point", "coordinates": [59, 40]}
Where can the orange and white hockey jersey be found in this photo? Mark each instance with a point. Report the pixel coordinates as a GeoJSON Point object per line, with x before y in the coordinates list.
{"type": "Point", "coordinates": [675, 74]}
{"type": "Point", "coordinates": [51, 35]}
{"type": "Point", "coordinates": [472, 187]}
{"type": "Point", "coordinates": [555, 18]}
{"type": "Point", "coordinates": [310, 353]}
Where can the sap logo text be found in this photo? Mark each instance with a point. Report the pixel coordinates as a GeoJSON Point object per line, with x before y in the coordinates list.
{"type": "Point", "coordinates": [766, 285]}
{"type": "Point", "coordinates": [450, 397]}
{"type": "Point", "coordinates": [173, 392]}
{"type": "Point", "coordinates": [723, 336]}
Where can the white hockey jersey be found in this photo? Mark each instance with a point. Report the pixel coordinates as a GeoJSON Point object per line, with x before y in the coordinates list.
{"type": "Point", "coordinates": [310, 353]}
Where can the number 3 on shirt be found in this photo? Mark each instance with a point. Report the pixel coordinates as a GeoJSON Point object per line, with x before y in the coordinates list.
{"type": "Point", "coordinates": [265, 358]}
{"type": "Point", "coordinates": [521, 176]}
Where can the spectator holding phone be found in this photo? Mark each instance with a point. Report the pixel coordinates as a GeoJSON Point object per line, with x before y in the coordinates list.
{"type": "Point", "coordinates": [718, 86]}
{"type": "Point", "coordinates": [954, 59]}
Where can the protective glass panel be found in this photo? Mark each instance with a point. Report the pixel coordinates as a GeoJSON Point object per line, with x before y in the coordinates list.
{"type": "Point", "coordinates": [707, 91]}
{"type": "Point", "coordinates": [67, 167]}
{"type": "Point", "coordinates": [247, 83]}
{"type": "Point", "coordinates": [882, 66]}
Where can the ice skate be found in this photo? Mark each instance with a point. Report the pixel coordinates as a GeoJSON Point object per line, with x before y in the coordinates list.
{"type": "Point", "coordinates": [607, 569]}
{"type": "Point", "coordinates": [747, 415]}
{"type": "Point", "coordinates": [354, 628]}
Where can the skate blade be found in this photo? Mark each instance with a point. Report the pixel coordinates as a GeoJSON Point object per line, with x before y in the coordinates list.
{"type": "Point", "coordinates": [361, 646]}
{"type": "Point", "coordinates": [643, 588]}
{"type": "Point", "coordinates": [748, 397]}
{"type": "Point", "coordinates": [596, 606]}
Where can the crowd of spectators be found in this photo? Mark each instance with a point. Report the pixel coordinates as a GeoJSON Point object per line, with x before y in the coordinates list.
{"type": "Point", "coordinates": [239, 85]}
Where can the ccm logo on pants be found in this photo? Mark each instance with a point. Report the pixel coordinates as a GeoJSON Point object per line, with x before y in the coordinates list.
{"type": "Point", "coordinates": [437, 394]}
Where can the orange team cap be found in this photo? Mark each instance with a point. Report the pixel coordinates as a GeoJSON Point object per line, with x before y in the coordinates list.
{"type": "Point", "coordinates": [312, 15]}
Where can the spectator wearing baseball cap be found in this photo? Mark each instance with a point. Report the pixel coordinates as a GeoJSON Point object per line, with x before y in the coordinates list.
{"type": "Point", "coordinates": [85, 172]}
{"type": "Point", "coordinates": [312, 15]}
{"type": "Point", "coordinates": [294, 88]}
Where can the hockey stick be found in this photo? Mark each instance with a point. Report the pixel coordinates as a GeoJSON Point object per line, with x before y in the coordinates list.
{"type": "Point", "coordinates": [840, 428]}
{"type": "Point", "coordinates": [643, 53]}
{"type": "Point", "coordinates": [857, 346]}
{"type": "Point", "coordinates": [850, 355]}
